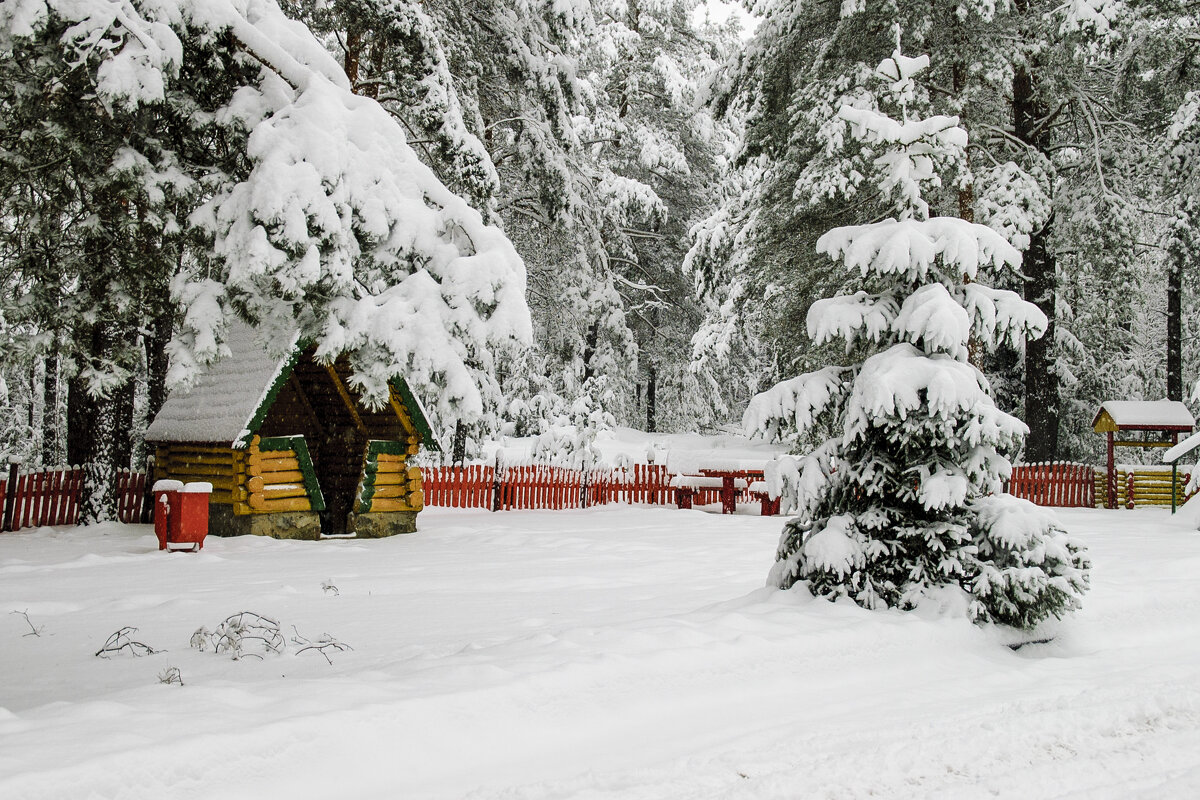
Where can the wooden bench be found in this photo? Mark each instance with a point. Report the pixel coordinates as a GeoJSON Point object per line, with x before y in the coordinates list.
{"type": "Point", "coordinates": [770, 506]}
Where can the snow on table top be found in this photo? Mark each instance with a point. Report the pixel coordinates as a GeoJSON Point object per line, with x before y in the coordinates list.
{"type": "Point", "coordinates": [1168, 413]}
{"type": "Point", "coordinates": [220, 405]}
{"type": "Point", "coordinates": [697, 482]}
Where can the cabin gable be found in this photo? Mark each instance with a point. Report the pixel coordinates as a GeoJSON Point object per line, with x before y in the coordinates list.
{"type": "Point", "coordinates": [310, 453]}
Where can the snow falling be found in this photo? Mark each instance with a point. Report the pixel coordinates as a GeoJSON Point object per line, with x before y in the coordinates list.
{"type": "Point", "coordinates": [907, 274]}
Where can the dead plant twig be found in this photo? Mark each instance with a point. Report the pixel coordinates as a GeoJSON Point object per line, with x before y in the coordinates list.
{"type": "Point", "coordinates": [122, 642]}
{"type": "Point", "coordinates": [239, 631]}
{"type": "Point", "coordinates": [33, 629]}
{"type": "Point", "coordinates": [171, 675]}
{"type": "Point", "coordinates": [323, 643]}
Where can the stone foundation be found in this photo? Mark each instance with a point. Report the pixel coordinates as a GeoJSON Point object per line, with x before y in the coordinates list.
{"type": "Point", "coordinates": [378, 524]}
{"type": "Point", "coordinates": [305, 524]}
{"type": "Point", "coordinates": [279, 525]}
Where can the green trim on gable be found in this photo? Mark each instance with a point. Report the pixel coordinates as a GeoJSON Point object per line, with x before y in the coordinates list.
{"type": "Point", "coordinates": [397, 383]}
{"type": "Point", "coordinates": [298, 446]}
{"type": "Point", "coordinates": [416, 414]}
{"type": "Point", "coordinates": [260, 414]}
{"type": "Point", "coordinates": [371, 469]}
{"type": "Point", "coordinates": [388, 448]}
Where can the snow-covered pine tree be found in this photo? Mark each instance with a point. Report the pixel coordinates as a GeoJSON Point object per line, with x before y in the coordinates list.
{"type": "Point", "coordinates": [1057, 99]}
{"type": "Point", "coordinates": [908, 498]}
{"type": "Point", "coordinates": [291, 202]}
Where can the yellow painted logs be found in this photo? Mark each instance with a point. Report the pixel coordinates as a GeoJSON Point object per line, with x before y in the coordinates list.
{"type": "Point", "coordinates": [397, 486]}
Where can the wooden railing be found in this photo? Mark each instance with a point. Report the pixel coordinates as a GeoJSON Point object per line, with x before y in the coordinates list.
{"type": "Point", "coordinates": [1143, 486]}
{"type": "Point", "coordinates": [548, 487]}
{"type": "Point", "coordinates": [1055, 484]}
{"type": "Point", "coordinates": [1063, 484]}
{"type": "Point", "coordinates": [51, 497]}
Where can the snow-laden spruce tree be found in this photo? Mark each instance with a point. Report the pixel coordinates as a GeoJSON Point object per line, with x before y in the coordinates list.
{"type": "Point", "coordinates": [906, 498]}
{"type": "Point", "coordinates": [323, 220]}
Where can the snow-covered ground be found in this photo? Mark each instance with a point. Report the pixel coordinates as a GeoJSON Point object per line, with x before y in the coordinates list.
{"type": "Point", "coordinates": [611, 653]}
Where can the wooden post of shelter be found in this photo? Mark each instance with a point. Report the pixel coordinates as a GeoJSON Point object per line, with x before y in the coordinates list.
{"type": "Point", "coordinates": [1166, 418]}
{"type": "Point", "coordinates": [1110, 498]}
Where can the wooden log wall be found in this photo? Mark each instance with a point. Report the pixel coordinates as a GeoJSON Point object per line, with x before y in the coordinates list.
{"type": "Point", "coordinates": [389, 484]}
{"type": "Point", "coordinates": [1143, 486]}
{"type": "Point", "coordinates": [189, 462]}
{"type": "Point", "coordinates": [270, 481]}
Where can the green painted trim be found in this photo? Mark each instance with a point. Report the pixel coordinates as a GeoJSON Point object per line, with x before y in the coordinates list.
{"type": "Point", "coordinates": [416, 414]}
{"type": "Point", "coordinates": [371, 469]}
{"type": "Point", "coordinates": [298, 446]}
{"type": "Point", "coordinates": [264, 407]}
{"type": "Point", "coordinates": [387, 448]}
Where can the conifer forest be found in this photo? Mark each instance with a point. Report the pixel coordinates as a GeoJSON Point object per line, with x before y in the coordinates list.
{"type": "Point", "coordinates": [594, 212]}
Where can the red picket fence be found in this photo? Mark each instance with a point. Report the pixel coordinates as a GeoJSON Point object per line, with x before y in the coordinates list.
{"type": "Point", "coordinates": [51, 497]}
{"type": "Point", "coordinates": [459, 487]}
{"type": "Point", "coordinates": [1055, 484]}
{"type": "Point", "coordinates": [546, 487]}
{"type": "Point", "coordinates": [540, 487]}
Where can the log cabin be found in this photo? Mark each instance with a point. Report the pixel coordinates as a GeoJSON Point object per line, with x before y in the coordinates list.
{"type": "Point", "coordinates": [290, 448]}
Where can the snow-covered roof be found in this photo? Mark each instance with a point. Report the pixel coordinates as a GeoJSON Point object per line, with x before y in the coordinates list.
{"type": "Point", "coordinates": [221, 404]}
{"type": "Point", "coordinates": [1182, 449]}
{"type": "Point", "coordinates": [227, 403]}
{"type": "Point", "coordinates": [1151, 414]}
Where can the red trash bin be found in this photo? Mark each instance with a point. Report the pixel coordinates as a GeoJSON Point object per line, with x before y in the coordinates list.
{"type": "Point", "coordinates": [193, 516]}
{"type": "Point", "coordinates": [166, 505]}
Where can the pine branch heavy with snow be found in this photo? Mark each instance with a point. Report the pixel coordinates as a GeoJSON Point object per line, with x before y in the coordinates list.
{"type": "Point", "coordinates": [908, 498]}
{"type": "Point", "coordinates": [325, 223]}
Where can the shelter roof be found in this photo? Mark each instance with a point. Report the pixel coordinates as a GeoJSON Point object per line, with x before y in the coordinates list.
{"type": "Point", "coordinates": [1143, 415]}
{"type": "Point", "coordinates": [228, 401]}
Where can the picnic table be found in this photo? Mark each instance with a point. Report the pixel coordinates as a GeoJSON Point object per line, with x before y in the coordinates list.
{"type": "Point", "coordinates": [730, 482]}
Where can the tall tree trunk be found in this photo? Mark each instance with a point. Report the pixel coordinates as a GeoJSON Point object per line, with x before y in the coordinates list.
{"type": "Point", "coordinates": [93, 433]}
{"type": "Point", "coordinates": [458, 449]}
{"type": "Point", "coordinates": [50, 422]}
{"type": "Point", "coordinates": [651, 404]}
{"type": "Point", "coordinates": [1175, 265]}
{"type": "Point", "coordinates": [1041, 288]}
{"type": "Point", "coordinates": [1041, 372]}
{"type": "Point", "coordinates": [157, 362]}
{"type": "Point", "coordinates": [123, 434]}
{"type": "Point", "coordinates": [31, 415]}
{"type": "Point", "coordinates": [589, 350]}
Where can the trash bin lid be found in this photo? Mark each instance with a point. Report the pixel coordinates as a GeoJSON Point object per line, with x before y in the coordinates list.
{"type": "Point", "coordinates": [199, 487]}
{"type": "Point", "coordinates": [167, 486]}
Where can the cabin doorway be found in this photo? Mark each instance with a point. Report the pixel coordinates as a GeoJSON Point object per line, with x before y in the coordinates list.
{"type": "Point", "coordinates": [337, 435]}
{"type": "Point", "coordinates": [339, 467]}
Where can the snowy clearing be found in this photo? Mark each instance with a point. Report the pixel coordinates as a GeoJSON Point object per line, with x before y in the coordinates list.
{"type": "Point", "coordinates": [611, 653]}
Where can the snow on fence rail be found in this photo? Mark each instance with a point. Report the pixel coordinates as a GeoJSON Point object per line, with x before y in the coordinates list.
{"type": "Point", "coordinates": [51, 497]}
{"type": "Point", "coordinates": [1143, 485]}
{"type": "Point", "coordinates": [1063, 484]}
{"type": "Point", "coordinates": [1057, 483]}
{"type": "Point", "coordinates": [547, 487]}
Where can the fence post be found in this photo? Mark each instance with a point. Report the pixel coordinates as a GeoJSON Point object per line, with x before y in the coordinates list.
{"type": "Point", "coordinates": [146, 512]}
{"type": "Point", "coordinates": [10, 494]}
{"type": "Point", "coordinates": [497, 489]}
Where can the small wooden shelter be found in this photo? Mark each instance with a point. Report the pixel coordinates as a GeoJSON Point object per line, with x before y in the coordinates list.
{"type": "Point", "coordinates": [290, 448]}
{"type": "Point", "coordinates": [1165, 419]}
